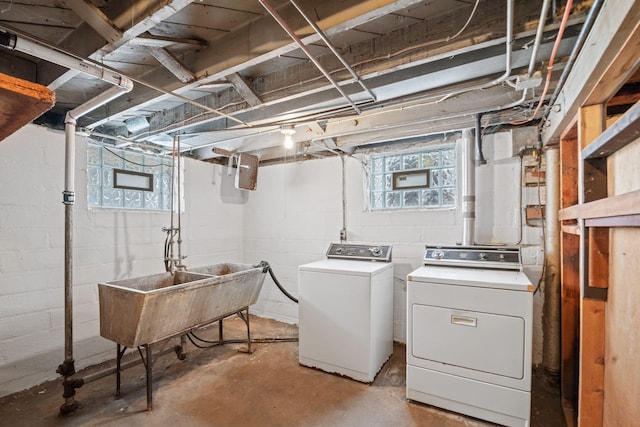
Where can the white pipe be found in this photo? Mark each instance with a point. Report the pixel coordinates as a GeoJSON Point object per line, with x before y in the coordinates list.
{"type": "Point", "coordinates": [67, 368]}
{"type": "Point", "coordinates": [468, 189]}
{"type": "Point", "coordinates": [551, 321]}
{"type": "Point", "coordinates": [38, 50]}
{"type": "Point", "coordinates": [536, 45]}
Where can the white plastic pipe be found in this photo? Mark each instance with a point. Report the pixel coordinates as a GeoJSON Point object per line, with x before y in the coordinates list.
{"type": "Point", "coordinates": [468, 189]}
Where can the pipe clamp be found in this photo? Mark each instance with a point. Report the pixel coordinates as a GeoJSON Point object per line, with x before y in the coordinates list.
{"type": "Point", "coordinates": [68, 197]}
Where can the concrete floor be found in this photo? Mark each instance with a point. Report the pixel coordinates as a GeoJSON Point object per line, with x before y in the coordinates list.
{"type": "Point", "coordinates": [222, 386]}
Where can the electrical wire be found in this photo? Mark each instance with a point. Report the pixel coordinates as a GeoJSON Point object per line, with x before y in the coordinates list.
{"type": "Point", "coordinates": [544, 233]}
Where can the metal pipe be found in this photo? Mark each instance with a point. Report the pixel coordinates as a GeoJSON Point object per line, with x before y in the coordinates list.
{"type": "Point", "coordinates": [508, 61]}
{"type": "Point", "coordinates": [306, 50]}
{"type": "Point", "coordinates": [343, 231]}
{"type": "Point", "coordinates": [536, 45]}
{"type": "Point", "coordinates": [67, 368]}
{"type": "Point", "coordinates": [468, 189]}
{"type": "Point", "coordinates": [551, 320]}
{"type": "Point", "coordinates": [582, 37]}
{"type": "Point", "coordinates": [327, 42]}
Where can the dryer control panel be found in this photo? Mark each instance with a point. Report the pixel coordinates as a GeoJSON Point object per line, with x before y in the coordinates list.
{"type": "Point", "coordinates": [359, 252]}
{"type": "Point", "coordinates": [501, 257]}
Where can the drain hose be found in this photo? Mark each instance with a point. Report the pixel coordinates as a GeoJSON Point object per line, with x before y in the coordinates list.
{"type": "Point", "coordinates": [267, 268]}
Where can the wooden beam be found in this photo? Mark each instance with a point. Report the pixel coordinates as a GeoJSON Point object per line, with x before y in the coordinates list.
{"type": "Point", "coordinates": [592, 179]}
{"type": "Point", "coordinates": [243, 87]}
{"type": "Point", "coordinates": [96, 19]}
{"type": "Point", "coordinates": [570, 317]}
{"type": "Point", "coordinates": [167, 60]}
{"type": "Point", "coordinates": [569, 276]}
{"type": "Point", "coordinates": [598, 257]}
{"type": "Point", "coordinates": [614, 206]}
{"type": "Point", "coordinates": [610, 40]}
{"type": "Point", "coordinates": [591, 392]}
{"type": "Point", "coordinates": [621, 133]}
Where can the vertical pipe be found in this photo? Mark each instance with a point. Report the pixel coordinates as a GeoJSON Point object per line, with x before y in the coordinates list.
{"type": "Point", "coordinates": [551, 322]}
{"type": "Point", "coordinates": [67, 368]}
{"type": "Point", "coordinates": [468, 189]}
{"type": "Point", "coordinates": [343, 231]}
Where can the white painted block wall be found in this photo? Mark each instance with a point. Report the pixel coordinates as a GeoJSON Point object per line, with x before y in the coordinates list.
{"type": "Point", "coordinates": [108, 245]}
{"type": "Point", "coordinates": [297, 211]}
{"type": "Point", "coordinates": [288, 221]}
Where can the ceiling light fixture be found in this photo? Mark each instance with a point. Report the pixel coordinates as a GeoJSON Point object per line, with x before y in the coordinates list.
{"type": "Point", "coordinates": [287, 131]}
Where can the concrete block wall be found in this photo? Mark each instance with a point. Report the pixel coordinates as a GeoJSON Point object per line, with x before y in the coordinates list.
{"type": "Point", "coordinates": [290, 220]}
{"type": "Point", "coordinates": [297, 211]}
{"type": "Point", "coordinates": [109, 244]}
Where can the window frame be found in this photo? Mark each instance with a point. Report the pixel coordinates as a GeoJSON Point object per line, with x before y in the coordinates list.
{"type": "Point", "coordinates": [102, 164]}
{"type": "Point", "coordinates": [380, 188]}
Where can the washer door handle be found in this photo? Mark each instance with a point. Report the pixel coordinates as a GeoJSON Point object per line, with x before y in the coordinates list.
{"type": "Point", "coordinates": [464, 321]}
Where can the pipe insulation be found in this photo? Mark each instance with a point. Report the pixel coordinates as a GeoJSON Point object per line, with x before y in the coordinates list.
{"type": "Point", "coordinates": [551, 317]}
{"type": "Point", "coordinates": [468, 188]}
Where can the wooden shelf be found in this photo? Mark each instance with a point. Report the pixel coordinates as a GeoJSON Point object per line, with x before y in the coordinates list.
{"type": "Point", "coordinates": [616, 206]}
{"type": "Point", "coordinates": [621, 133]}
{"type": "Point", "coordinates": [21, 102]}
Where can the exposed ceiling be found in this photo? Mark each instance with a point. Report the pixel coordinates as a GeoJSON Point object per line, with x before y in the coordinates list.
{"type": "Point", "coordinates": [225, 74]}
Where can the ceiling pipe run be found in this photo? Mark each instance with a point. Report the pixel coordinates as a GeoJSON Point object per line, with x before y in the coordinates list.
{"type": "Point", "coordinates": [306, 50]}
{"type": "Point", "coordinates": [327, 42]}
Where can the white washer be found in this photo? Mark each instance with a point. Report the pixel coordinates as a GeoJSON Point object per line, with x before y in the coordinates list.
{"type": "Point", "coordinates": [469, 333]}
{"type": "Point", "coordinates": [346, 311]}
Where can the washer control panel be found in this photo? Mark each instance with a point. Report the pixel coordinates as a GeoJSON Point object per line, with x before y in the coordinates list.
{"type": "Point", "coordinates": [359, 252]}
{"type": "Point", "coordinates": [503, 257]}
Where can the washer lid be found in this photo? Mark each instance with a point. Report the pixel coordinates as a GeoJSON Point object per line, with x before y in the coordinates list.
{"type": "Point", "coordinates": [342, 266]}
{"type": "Point", "coordinates": [464, 276]}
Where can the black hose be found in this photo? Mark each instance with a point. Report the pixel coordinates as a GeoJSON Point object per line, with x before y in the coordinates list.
{"type": "Point", "coordinates": [267, 268]}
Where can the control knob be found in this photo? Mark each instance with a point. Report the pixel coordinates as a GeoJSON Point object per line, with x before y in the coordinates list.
{"type": "Point", "coordinates": [375, 251]}
{"type": "Point", "coordinates": [437, 254]}
{"type": "Point", "coordinates": [482, 256]}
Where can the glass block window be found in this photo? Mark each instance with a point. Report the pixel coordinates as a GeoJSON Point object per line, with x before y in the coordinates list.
{"type": "Point", "coordinates": [101, 191]}
{"type": "Point", "coordinates": [440, 190]}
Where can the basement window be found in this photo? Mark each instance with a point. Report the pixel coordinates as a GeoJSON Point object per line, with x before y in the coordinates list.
{"type": "Point", "coordinates": [417, 179]}
{"type": "Point", "coordinates": [128, 180]}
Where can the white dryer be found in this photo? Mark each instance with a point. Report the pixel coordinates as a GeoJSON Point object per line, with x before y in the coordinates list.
{"type": "Point", "coordinates": [469, 333]}
{"type": "Point", "coordinates": [346, 311]}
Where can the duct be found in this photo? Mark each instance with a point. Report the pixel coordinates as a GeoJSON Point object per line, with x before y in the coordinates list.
{"type": "Point", "coordinates": [333, 49]}
{"type": "Point", "coordinates": [306, 50]}
{"type": "Point", "coordinates": [551, 319]}
{"type": "Point", "coordinates": [468, 189]}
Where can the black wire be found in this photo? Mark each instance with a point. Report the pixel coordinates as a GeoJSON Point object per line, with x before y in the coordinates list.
{"type": "Point", "coordinates": [131, 161]}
